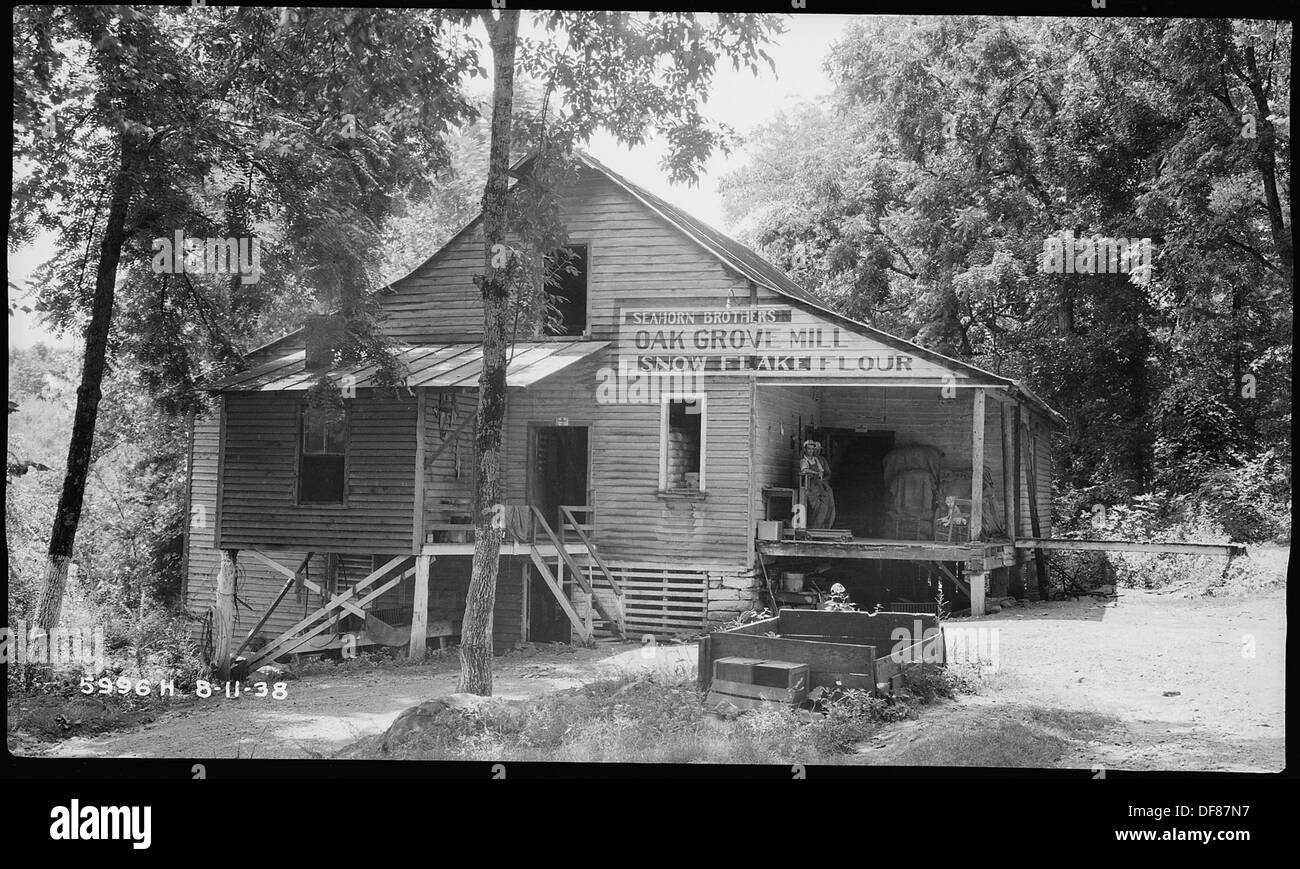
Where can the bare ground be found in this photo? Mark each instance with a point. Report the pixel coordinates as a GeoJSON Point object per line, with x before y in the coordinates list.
{"type": "Point", "coordinates": [1149, 682]}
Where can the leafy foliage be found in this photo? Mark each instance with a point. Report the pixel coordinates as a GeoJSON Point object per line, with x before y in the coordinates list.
{"type": "Point", "coordinates": [920, 200]}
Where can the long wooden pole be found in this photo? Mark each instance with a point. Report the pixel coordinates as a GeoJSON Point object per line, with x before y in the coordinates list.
{"type": "Point", "coordinates": [420, 606]}
{"type": "Point", "coordinates": [978, 578]}
{"type": "Point", "coordinates": [223, 618]}
{"type": "Point", "coordinates": [1006, 417]}
{"type": "Point", "coordinates": [284, 590]}
{"type": "Point", "coordinates": [1040, 561]}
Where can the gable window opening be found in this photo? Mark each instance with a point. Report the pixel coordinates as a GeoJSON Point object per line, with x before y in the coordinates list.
{"type": "Point", "coordinates": [322, 467]}
{"type": "Point", "coordinates": [566, 291]}
{"type": "Point", "coordinates": [683, 443]}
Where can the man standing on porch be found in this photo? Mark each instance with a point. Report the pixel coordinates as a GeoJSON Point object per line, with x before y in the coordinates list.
{"type": "Point", "coordinates": [814, 477]}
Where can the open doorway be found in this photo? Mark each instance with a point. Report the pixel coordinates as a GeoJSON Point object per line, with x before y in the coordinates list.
{"type": "Point", "coordinates": [858, 478]}
{"type": "Point", "coordinates": [557, 476]}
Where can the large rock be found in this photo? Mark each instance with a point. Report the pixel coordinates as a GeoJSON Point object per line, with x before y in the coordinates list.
{"type": "Point", "coordinates": [442, 721]}
{"type": "Point", "coordinates": [435, 721]}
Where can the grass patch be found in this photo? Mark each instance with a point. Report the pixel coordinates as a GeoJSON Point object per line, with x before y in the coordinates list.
{"type": "Point", "coordinates": [661, 718]}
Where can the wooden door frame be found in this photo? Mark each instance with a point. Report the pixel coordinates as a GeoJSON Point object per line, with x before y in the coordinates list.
{"type": "Point", "coordinates": [530, 473]}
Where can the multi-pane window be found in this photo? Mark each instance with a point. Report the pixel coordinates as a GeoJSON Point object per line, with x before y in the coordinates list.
{"type": "Point", "coordinates": [322, 470]}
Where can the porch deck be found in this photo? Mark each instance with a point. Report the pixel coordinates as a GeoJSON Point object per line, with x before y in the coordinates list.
{"type": "Point", "coordinates": [981, 555]}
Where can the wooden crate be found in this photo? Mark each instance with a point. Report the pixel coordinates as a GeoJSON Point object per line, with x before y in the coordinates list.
{"type": "Point", "coordinates": [840, 649]}
{"type": "Point", "coordinates": [749, 683]}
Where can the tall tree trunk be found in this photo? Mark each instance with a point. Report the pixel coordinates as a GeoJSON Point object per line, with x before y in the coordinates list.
{"type": "Point", "coordinates": [68, 515]}
{"type": "Point", "coordinates": [476, 627]}
{"type": "Point", "coordinates": [1266, 164]}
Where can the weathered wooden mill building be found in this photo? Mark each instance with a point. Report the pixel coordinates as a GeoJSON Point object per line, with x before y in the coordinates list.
{"type": "Point", "coordinates": [649, 443]}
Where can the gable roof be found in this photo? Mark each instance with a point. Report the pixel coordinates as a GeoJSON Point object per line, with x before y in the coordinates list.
{"type": "Point", "coordinates": [751, 266]}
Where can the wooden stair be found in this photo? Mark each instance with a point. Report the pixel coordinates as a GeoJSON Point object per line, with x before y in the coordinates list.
{"type": "Point", "coordinates": [614, 617]}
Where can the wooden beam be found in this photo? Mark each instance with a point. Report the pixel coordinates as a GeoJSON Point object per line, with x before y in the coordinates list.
{"type": "Point", "coordinates": [978, 586]}
{"type": "Point", "coordinates": [333, 604]}
{"type": "Point", "coordinates": [291, 574]}
{"type": "Point", "coordinates": [420, 606]}
{"type": "Point", "coordinates": [294, 642]}
{"type": "Point", "coordinates": [558, 591]}
{"type": "Point", "coordinates": [221, 472]}
{"type": "Point", "coordinates": [885, 550]}
{"type": "Point", "coordinates": [956, 580]}
{"type": "Point", "coordinates": [1031, 484]}
{"type": "Point", "coordinates": [430, 460]}
{"type": "Point", "coordinates": [579, 576]}
{"type": "Point", "coordinates": [223, 612]}
{"type": "Point", "coordinates": [417, 518]}
{"type": "Point", "coordinates": [1018, 512]}
{"type": "Point", "coordinates": [284, 590]}
{"type": "Point", "coordinates": [977, 467]}
{"type": "Point", "coordinates": [1006, 421]}
{"type": "Point", "coordinates": [1174, 547]}
{"type": "Point", "coordinates": [591, 550]}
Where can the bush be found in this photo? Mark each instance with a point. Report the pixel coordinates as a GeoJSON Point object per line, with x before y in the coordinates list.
{"type": "Point", "coordinates": [1195, 519]}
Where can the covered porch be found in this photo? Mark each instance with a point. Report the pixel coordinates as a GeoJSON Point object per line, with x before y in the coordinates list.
{"type": "Point", "coordinates": [931, 485]}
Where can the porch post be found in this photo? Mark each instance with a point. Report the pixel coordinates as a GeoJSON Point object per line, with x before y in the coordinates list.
{"type": "Point", "coordinates": [979, 578]}
{"type": "Point", "coordinates": [978, 583]}
{"type": "Point", "coordinates": [1007, 418]}
{"type": "Point", "coordinates": [223, 613]}
{"type": "Point", "coordinates": [977, 468]}
{"type": "Point", "coordinates": [420, 606]}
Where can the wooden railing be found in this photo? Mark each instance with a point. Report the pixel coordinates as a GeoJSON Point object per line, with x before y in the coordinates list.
{"type": "Point", "coordinates": [610, 611]}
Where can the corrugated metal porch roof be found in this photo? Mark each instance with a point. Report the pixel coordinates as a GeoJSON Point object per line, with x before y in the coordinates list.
{"type": "Point", "coordinates": [436, 365]}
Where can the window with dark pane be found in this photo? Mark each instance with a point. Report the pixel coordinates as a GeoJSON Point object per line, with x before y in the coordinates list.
{"type": "Point", "coordinates": [566, 288]}
{"type": "Point", "coordinates": [684, 435]}
{"type": "Point", "coordinates": [324, 447]}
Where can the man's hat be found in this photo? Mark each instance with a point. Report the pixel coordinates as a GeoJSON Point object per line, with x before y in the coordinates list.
{"type": "Point", "coordinates": [807, 444]}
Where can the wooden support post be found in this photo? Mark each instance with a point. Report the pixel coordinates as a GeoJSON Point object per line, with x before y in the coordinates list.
{"type": "Point", "coordinates": [1040, 561]}
{"type": "Point", "coordinates": [420, 606]}
{"type": "Point", "coordinates": [1010, 488]}
{"type": "Point", "coordinates": [223, 615]}
{"type": "Point", "coordinates": [526, 602]}
{"type": "Point", "coordinates": [417, 517]}
{"type": "Point", "coordinates": [977, 468]}
{"type": "Point", "coordinates": [978, 583]}
{"type": "Point", "coordinates": [1008, 480]}
{"type": "Point", "coordinates": [1018, 510]}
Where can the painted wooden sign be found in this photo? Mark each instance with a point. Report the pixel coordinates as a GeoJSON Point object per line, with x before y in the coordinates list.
{"type": "Point", "coordinates": [778, 341]}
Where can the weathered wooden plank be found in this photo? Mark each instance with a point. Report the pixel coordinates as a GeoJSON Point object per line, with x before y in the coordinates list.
{"type": "Point", "coordinates": [420, 605]}
{"type": "Point", "coordinates": [895, 550]}
{"type": "Point", "coordinates": [549, 578]}
{"type": "Point", "coordinates": [1172, 547]}
{"type": "Point", "coordinates": [822, 659]}
{"type": "Point", "coordinates": [749, 690]}
{"type": "Point", "coordinates": [977, 470]}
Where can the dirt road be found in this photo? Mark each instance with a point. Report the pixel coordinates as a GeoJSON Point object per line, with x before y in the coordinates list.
{"type": "Point", "coordinates": [1149, 682]}
{"type": "Point", "coordinates": [323, 713]}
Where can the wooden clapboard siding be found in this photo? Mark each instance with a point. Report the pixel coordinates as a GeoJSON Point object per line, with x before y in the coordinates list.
{"type": "Point", "coordinates": [257, 584]}
{"type": "Point", "coordinates": [1041, 431]}
{"type": "Point", "coordinates": [637, 259]}
{"type": "Point", "coordinates": [915, 416]}
{"type": "Point", "coordinates": [778, 411]}
{"type": "Point", "coordinates": [201, 556]}
{"type": "Point", "coordinates": [259, 491]}
{"type": "Point", "coordinates": [442, 480]}
{"type": "Point", "coordinates": [631, 521]}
